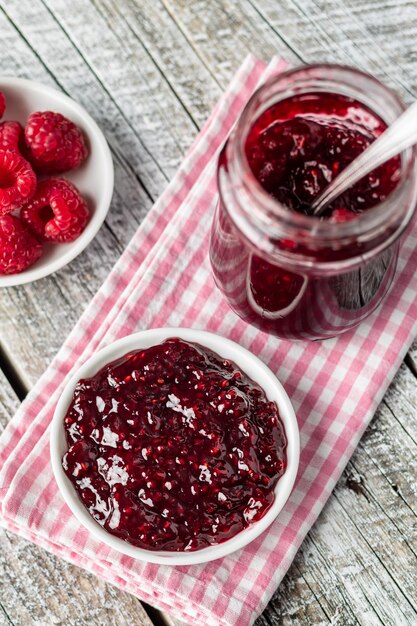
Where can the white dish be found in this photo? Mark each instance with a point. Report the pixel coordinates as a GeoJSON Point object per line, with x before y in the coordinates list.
{"type": "Point", "coordinates": [253, 367]}
{"type": "Point", "coordinates": [94, 179]}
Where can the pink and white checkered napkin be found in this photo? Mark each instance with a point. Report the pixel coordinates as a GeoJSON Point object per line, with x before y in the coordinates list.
{"type": "Point", "coordinates": [164, 279]}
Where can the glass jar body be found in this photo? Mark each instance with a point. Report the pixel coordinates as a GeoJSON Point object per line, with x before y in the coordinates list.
{"type": "Point", "coordinates": [316, 307]}
{"type": "Point", "coordinates": [288, 274]}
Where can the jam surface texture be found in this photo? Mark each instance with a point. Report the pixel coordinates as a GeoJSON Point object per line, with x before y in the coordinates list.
{"type": "Point", "coordinates": [173, 447]}
{"type": "Point", "coordinates": [299, 145]}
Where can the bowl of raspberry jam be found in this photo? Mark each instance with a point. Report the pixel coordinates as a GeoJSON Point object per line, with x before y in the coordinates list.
{"type": "Point", "coordinates": [175, 446]}
{"type": "Point", "coordinates": [279, 267]}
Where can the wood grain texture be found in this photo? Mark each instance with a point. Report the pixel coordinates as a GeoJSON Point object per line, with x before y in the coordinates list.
{"type": "Point", "coordinates": [38, 588]}
{"type": "Point", "coordinates": [149, 72]}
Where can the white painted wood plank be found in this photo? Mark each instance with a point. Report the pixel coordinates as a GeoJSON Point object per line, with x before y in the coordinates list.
{"type": "Point", "coordinates": [353, 32]}
{"type": "Point", "coordinates": [37, 588]}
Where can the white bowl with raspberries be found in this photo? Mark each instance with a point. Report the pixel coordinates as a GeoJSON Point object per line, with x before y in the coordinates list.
{"type": "Point", "coordinates": [56, 180]}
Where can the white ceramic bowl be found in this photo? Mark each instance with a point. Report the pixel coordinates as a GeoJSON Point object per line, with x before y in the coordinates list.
{"type": "Point", "coordinates": [253, 367]}
{"type": "Point", "coordinates": [94, 179]}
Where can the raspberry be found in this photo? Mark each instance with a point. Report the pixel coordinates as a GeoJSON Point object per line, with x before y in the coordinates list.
{"type": "Point", "coordinates": [2, 104]}
{"type": "Point", "coordinates": [18, 247]}
{"type": "Point", "coordinates": [55, 143]}
{"type": "Point", "coordinates": [17, 181]}
{"type": "Point", "coordinates": [11, 136]}
{"type": "Point", "coordinates": [57, 212]}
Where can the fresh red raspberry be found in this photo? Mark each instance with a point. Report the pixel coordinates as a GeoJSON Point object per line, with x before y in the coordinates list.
{"type": "Point", "coordinates": [17, 181]}
{"type": "Point", "coordinates": [57, 212]}
{"type": "Point", "coordinates": [55, 143]}
{"type": "Point", "coordinates": [11, 136]}
{"type": "Point", "coordinates": [18, 247]}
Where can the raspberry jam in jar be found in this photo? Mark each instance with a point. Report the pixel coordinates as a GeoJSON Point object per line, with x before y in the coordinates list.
{"type": "Point", "coordinates": [280, 268]}
{"type": "Point", "coordinates": [173, 448]}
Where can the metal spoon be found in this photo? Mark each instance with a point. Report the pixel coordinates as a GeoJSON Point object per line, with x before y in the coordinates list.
{"type": "Point", "coordinates": [400, 135]}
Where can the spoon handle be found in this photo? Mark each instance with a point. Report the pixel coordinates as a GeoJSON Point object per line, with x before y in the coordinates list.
{"type": "Point", "coordinates": [400, 135]}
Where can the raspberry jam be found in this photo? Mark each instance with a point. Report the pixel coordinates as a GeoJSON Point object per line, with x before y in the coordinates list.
{"type": "Point", "coordinates": [299, 145]}
{"type": "Point", "coordinates": [173, 448]}
{"type": "Point", "coordinates": [280, 268]}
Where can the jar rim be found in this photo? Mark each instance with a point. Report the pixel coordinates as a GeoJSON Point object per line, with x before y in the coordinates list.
{"type": "Point", "coordinates": [322, 230]}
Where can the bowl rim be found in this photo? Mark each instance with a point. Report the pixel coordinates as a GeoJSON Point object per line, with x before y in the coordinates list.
{"type": "Point", "coordinates": [225, 347]}
{"type": "Point", "coordinates": [91, 129]}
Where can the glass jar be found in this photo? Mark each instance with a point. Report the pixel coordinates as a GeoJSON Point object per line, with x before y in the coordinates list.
{"type": "Point", "coordinates": [325, 277]}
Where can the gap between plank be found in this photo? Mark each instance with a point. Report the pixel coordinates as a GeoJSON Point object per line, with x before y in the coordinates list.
{"type": "Point", "coordinates": [275, 30]}
{"type": "Point", "coordinates": [157, 616]}
{"type": "Point", "coordinates": [412, 366]}
{"type": "Point", "coordinates": [184, 32]}
{"type": "Point", "coordinates": [99, 80]}
{"type": "Point", "coordinates": [6, 615]}
{"type": "Point", "coordinates": [12, 375]}
{"type": "Point", "coordinates": [160, 69]}
{"type": "Point", "coordinates": [392, 578]}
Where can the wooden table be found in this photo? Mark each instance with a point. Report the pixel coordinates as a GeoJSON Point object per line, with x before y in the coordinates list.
{"type": "Point", "coordinates": [149, 72]}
